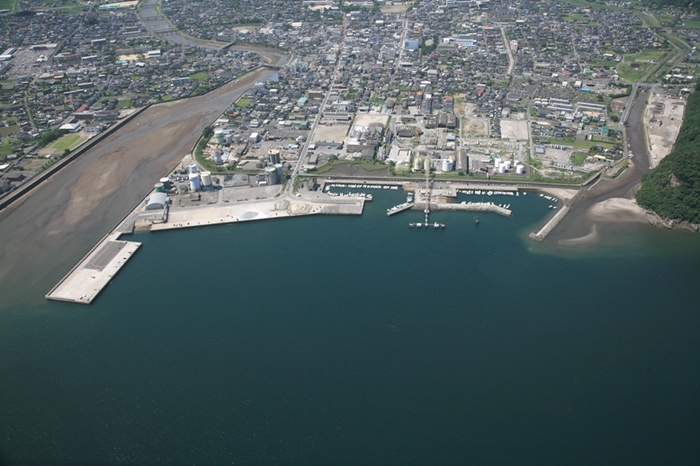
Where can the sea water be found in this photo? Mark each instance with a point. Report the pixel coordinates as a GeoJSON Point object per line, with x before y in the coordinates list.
{"type": "Point", "coordinates": [358, 340]}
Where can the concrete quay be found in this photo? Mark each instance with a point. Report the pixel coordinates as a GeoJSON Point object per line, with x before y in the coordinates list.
{"type": "Point", "coordinates": [259, 210]}
{"type": "Point", "coordinates": [95, 271]}
{"type": "Point", "coordinates": [466, 207]}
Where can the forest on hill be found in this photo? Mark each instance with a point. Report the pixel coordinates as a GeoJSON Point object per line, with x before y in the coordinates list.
{"type": "Point", "coordinates": [672, 189]}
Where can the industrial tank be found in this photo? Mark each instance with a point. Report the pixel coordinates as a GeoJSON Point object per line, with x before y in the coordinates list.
{"type": "Point", "coordinates": [447, 165]}
{"type": "Point", "coordinates": [159, 188]}
{"type": "Point", "coordinates": [166, 183]}
{"type": "Point", "coordinates": [502, 168]}
{"type": "Point", "coordinates": [206, 179]}
{"type": "Point", "coordinates": [219, 136]}
{"type": "Point", "coordinates": [195, 182]}
{"type": "Point", "coordinates": [271, 173]}
{"type": "Point", "coordinates": [507, 164]}
{"type": "Point", "coordinates": [417, 164]}
{"type": "Point", "coordinates": [192, 168]}
{"type": "Point", "coordinates": [520, 169]}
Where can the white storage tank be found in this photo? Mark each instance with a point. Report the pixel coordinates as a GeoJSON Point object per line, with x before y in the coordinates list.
{"type": "Point", "coordinates": [520, 169]}
{"type": "Point", "coordinates": [227, 138]}
{"type": "Point", "coordinates": [166, 182]}
{"type": "Point", "coordinates": [195, 182]}
{"type": "Point", "coordinates": [271, 173]}
{"type": "Point", "coordinates": [192, 168]}
{"type": "Point", "coordinates": [507, 164]}
{"type": "Point", "coordinates": [206, 180]}
{"type": "Point", "coordinates": [447, 165]}
{"type": "Point", "coordinates": [502, 168]}
{"type": "Point", "coordinates": [219, 136]}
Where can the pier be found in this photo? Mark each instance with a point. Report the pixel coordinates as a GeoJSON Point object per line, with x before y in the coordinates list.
{"type": "Point", "coordinates": [399, 208]}
{"type": "Point", "coordinates": [468, 207]}
{"type": "Point", "coordinates": [95, 271]}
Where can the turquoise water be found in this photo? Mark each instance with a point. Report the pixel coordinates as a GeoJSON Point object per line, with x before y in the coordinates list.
{"type": "Point", "coordinates": [355, 340]}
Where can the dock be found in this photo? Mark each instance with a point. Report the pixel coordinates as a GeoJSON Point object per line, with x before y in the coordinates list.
{"type": "Point", "coordinates": [467, 207]}
{"type": "Point", "coordinates": [95, 271]}
{"type": "Point", "coordinates": [399, 208]}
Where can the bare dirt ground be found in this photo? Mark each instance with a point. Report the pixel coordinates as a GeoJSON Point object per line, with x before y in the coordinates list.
{"type": "Point", "coordinates": [335, 133]}
{"type": "Point", "coordinates": [474, 127]}
{"type": "Point", "coordinates": [514, 129]}
{"type": "Point", "coordinates": [364, 119]}
{"type": "Point", "coordinates": [388, 9]}
{"type": "Point", "coordinates": [663, 118]}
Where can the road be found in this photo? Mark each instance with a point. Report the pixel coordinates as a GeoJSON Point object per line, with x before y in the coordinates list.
{"type": "Point", "coordinates": [304, 151]}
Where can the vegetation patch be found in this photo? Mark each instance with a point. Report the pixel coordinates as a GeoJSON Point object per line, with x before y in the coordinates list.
{"type": "Point", "coordinates": [577, 158]}
{"type": "Point", "coordinates": [65, 142]}
{"type": "Point", "coordinates": [672, 189]}
{"type": "Point", "coordinates": [201, 76]}
{"type": "Point", "coordinates": [243, 102]}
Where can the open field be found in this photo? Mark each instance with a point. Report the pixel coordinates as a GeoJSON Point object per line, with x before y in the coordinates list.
{"type": "Point", "coordinates": [475, 127]}
{"type": "Point", "coordinates": [514, 129]}
{"type": "Point", "coordinates": [388, 9]}
{"type": "Point", "coordinates": [66, 142]}
{"type": "Point", "coordinates": [334, 133]}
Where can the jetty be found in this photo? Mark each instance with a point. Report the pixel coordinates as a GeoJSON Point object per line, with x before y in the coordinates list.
{"type": "Point", "coordinates": [399, 208]}
{"type": "Point", "coordinates": [92, 274]}
{"type": "Point", "coordinates": [467, 207]}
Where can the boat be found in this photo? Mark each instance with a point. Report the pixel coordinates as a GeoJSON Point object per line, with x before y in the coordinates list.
{"type": "Point", "coordinates": [476, 220]}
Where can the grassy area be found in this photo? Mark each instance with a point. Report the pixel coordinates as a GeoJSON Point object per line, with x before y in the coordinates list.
{"type": "Point", "coordinates": [8, 5]}
{"type": "Point", "coordinates": [649, 20]}
{"type": "Point", "coordinates": [627, 73]}
{"type": "Point", "coordinates": [581, 143]}
{"type": "Point", "coordinates": [690, 25]}
{"type": "Point", "coordinates": [201, 76]}
{"type": "Point", "coordinates": [124, 103]}
{"type": "Point", "coordinates": [65, 142]}
{"type": "Point", "coordinates": [592, 5]}
{"type": "Point", "coordinates": [646, 55]}
{"type": "Point", "coordinates": [577, 158]}
{"type": "Point", "coordinates": [7, 148]}
{"type": "Point", "coordinates": [369, 165]}
{"type": "Point", "coordinates": [243, 102]}
{"type": "Point", "coordinates": [576, 17]}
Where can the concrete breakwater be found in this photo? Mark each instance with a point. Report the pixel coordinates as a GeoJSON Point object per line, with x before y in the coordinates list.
{"type": "Point", "coordinates": [467, 207]}
{"type": "Point", "coordinates": [549, 226]}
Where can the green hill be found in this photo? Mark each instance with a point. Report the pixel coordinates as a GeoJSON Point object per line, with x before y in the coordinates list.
{"type": "Point", "coordinates": [672, 189]}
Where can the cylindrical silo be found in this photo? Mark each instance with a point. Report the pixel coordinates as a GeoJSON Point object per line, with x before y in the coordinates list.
{"type": "Point", "coordinates": [195, 182]}
{"type": "Point", "coordinates": [447, 165]}
{"type": "Point", "coordinates": [271, 173]}
{"type": "Point", "coordinates": [166, 182]}
{"type": "Point", "coordinates": [520, 169]}
{"type": "Point", "coordinates": [507, 164]}
{"type": "Point", "coordinates": [206, 180]}
{"type": "Point", "coordinates": [502, 168]}
{"type": "Point", "coordinates": [192, 168]}
{"type": "Point", "coordinates": [219, 136]}
{"type": "Point", "coordinates": [227, 138]}
{"type": "Point", "coordinates": [159, 188]}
